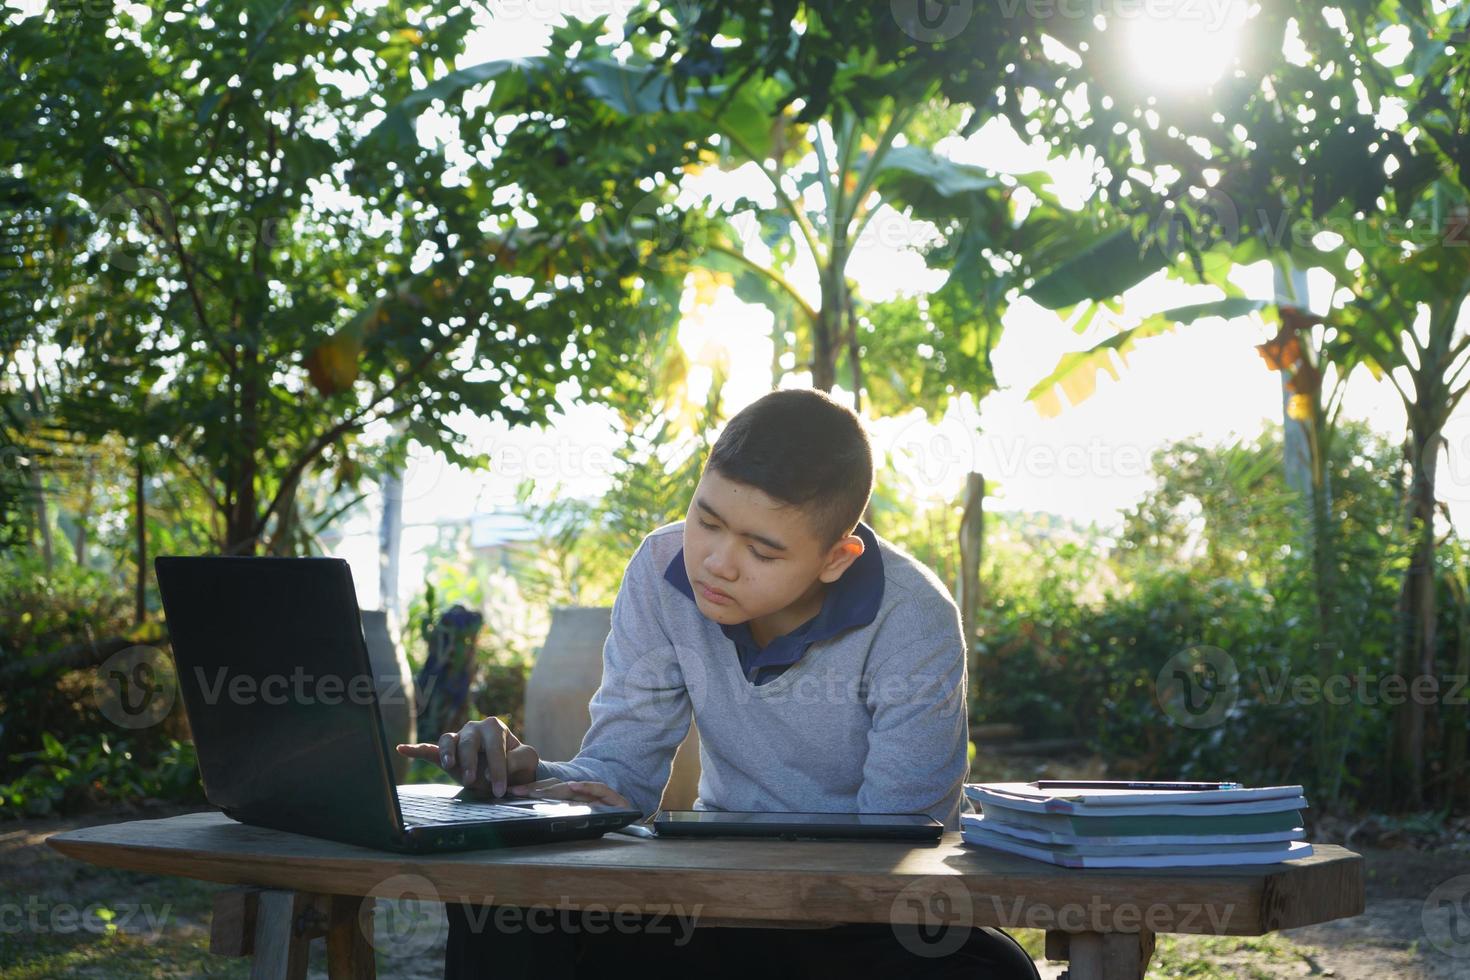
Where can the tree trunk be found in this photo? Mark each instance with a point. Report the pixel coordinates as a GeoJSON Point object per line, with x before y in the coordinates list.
{"type": "Point", "coordinates": [84, 516]}
{"type": "Point", "coordinates": [1417, 639]}
{"type": "Point", "coordinates": [288, 515]}
{"type": "Point", "coordinates": [1305, 447]}
{"type": "Point", "coordinates": [140, 541]}
{"type": "Point", "coordinates": [240, 531]}
{"type": "Point", "coordinates": [1416, 655]}
{"type": "Point", "coordinates": [390, 538]}
{"type": "Point", "coordinates": [1331, 742]}
{"type": "Point", "coordinates": [825, 332]}
{"type": "Point", "coordinates": [1296, 448]}
{"type": "Point", "coordinates": [43, 517]}
{"type": "Point", "coordinates": [1459, 732]}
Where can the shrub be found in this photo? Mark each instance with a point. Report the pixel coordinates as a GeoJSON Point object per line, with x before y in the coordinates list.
{"type": "Point", "coordinates": [88, 771]}
{"type": "Point", "coordinates": [58, 753]}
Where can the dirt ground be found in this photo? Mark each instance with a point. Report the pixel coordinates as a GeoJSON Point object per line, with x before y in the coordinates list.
{"type": "Point", "coordinates": [54, 919]}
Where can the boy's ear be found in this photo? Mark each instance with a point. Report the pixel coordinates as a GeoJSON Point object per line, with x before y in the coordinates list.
{"type": "Point", "coordinates": [840, 556]}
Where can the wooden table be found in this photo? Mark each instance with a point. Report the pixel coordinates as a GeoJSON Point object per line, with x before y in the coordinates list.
{"type": "Point", "coordinates": [1102, 921]}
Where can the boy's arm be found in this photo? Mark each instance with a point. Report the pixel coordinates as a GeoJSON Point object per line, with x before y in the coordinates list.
{"type": "Point", "coordinates": [918, 745]}
{"type": "Point", "coordinates": [640, 712]}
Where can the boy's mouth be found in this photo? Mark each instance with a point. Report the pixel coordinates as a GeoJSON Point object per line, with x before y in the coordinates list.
{"type": "Point", "coordinates": [713, 595]}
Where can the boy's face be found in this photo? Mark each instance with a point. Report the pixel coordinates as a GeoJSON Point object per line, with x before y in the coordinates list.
{"type": "Point", "coordinates": [749, 556]}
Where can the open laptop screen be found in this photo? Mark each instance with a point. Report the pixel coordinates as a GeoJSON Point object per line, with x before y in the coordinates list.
{"type": "Point", "coordinates": [276, 682]}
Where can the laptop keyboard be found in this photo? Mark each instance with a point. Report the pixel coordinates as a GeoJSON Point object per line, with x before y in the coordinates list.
{"type": "Point", "coordinates": [422, 810]}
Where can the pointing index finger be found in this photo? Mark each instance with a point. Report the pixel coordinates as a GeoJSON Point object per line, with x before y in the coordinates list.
{"type": "Point", "coordinates": [495, 751]}
{"type": "Point", "coordinates": [427, 751]}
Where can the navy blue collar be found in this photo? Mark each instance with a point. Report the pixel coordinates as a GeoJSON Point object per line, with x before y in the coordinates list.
{"type": "Point", "coordinates": [850, 602]}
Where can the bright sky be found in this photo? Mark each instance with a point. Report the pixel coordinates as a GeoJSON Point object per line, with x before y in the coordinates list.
{"type": "Point", "coordinates": [1205, 381]}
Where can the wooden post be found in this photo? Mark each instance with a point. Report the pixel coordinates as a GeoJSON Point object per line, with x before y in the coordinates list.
{"type": "Point", "coordinates": [1102, 955]}
{"type": "Point", "coordinates": [972, 548]}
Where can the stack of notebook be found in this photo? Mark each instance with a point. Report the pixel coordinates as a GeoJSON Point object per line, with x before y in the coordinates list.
{"type": "Point", "coordinates": [1101, 824]}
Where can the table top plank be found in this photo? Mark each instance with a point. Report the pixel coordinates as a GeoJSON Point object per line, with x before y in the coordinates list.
{"type": "Point", "coordinates": [800, 881]}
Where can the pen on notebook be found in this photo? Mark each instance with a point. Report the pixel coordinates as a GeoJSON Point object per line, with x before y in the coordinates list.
{"type": "Point", "coordinates": [1109, 784]}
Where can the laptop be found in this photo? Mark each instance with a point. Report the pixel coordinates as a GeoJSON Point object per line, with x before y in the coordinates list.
{"type": "Point", "coordinates": [278, 688]}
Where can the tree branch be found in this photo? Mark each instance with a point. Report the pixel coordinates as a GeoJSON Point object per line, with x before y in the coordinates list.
{"type": "Point", "coordinates": [179, 458]}
{"type": "Point", "coordinates": [354, 421]}
{"type": "Point", "coordinates": [1456, 378]}
{"type": "Point", "coordinates": [86, 653]}
{"type": "Point", "coordinates": [1335, 401]}
{"type": "Point", "coordinates": [797, 214]}
{"type": "Point", "coordinates": [896, 123]}
{"type": "Point", "coordinates": [828, 173]}
{"type": "Point", "coordinates": [775, 277]}
{"type": "Point", "coordinates": [190, 286]}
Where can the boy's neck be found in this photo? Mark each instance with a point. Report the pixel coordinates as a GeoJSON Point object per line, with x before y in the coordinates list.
{"type": "Point", "coordinates": [766, 628]}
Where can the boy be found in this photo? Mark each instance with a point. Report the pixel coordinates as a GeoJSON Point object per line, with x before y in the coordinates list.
{"type": "Point", "coordinates": [826, 668]}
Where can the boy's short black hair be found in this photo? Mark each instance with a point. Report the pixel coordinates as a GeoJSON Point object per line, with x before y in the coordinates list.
{"type": "Point", "coordinates": [802, 448]}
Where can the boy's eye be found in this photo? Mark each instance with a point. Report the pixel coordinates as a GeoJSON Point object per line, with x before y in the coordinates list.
{"type": "Point", "coordinates": [759, 557]}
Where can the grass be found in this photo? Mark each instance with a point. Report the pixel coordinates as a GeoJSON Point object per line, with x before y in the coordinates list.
{"type": "Point", "coordinates": [116, 956]}
{"type": "Point", "coordinates": [65, 919]}
{"type": "Point", "coordinates": [1202, 957]}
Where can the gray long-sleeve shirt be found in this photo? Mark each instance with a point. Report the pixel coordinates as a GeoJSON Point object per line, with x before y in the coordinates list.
{"type": "Point", "coordinates": [873, 720]}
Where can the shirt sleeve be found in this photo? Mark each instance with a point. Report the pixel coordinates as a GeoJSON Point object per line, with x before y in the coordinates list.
{"type": "Point", "coordinates": [640, 712]}
{"type": "Point", "coordinates": [918, 743]}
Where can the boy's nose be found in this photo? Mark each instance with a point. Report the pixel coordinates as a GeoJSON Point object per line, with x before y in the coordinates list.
{"type": "Point", "coordinates": [719, 566]}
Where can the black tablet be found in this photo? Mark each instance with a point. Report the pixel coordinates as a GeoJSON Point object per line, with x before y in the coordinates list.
{"type": "Point", "coordinates": [797, 826]}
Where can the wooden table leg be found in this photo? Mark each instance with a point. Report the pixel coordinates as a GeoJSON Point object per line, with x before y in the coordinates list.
{"type": "Point", "coordinates": [350, 939]}
{"type": "Point", "coordinates": [276, 929]}
{"type": "Point", "coordinates": [281, 945]}
{"type": "Point", "coordinates": [1102, 955]}
{"type": "Point", "coordinates": [232, 926]}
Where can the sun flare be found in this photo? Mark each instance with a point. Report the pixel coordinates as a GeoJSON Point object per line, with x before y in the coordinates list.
{"type": "Point", "coordinates": [1186, 45]}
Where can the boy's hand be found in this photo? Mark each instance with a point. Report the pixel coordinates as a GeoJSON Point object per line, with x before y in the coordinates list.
{"type": "Point", "coordinates": [576, 792]}
{"type": "Point", "coordinates": [483, 755]}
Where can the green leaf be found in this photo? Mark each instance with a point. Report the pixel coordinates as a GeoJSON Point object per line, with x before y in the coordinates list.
{"type": "Point", "coordinates": [207, 106]}
{"type": "Point", "coordinates": [1106, 268]}
{"type": "Point", "coordinates": [748, 120]}
{"type": "Point", "coordinates": [1077, 373]}
{"type": "Point", "coordinates": [631, 90]}
{"type": "Point", "coordinates": [53, 747]}
{"type": "Point", "coordinates": [396, 128]}
{"type": "Point", "coordinates": [942, 175]}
